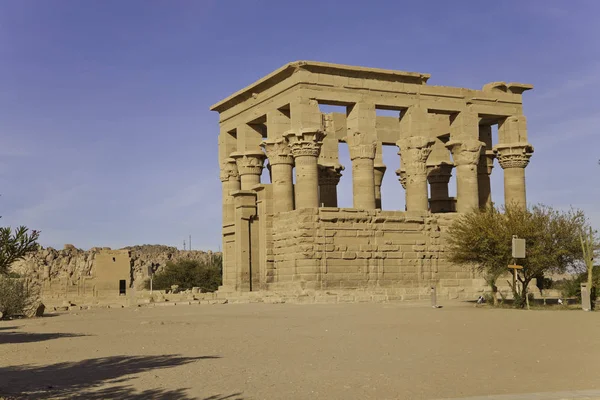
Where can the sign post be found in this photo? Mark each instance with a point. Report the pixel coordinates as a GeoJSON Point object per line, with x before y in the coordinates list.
{"type": "Point", "coordinates": [518, 251]}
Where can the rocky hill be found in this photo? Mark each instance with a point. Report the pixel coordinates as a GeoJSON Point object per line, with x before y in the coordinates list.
{"type": "Point", "coordinates": [71, 262]}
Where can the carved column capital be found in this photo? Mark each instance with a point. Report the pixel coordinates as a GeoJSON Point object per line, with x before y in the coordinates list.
{"type": "Point", "coordinates": [278, 151]}
{"type": "Point", "coordinates": [465, 152]}
{"type": "Point", "coordinates": [486, 162]}
{"type": "Point", "coordinates": [379, 171]}
{"type": "Point", "coordinates": [330, 174]}
{"type": "Point", "coordinates": [401, 174]}
{"type": "Point", "coordinates": [440, 173]}
{"type": "Point", "coordinates": [414, 152]}
{"type": "Point", "coordinates": [515, 155]}
{"type": "Point", "coordinates": [229, 170]}
{"type": "Point", "coordinates": [361, 145]}
{"type": "Point", "coordinates": [249, 162]}
{"type": "Point", "coordinates": [306, 142]}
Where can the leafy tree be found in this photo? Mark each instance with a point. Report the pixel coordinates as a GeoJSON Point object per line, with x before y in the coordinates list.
{"type": "Point", "coordinates": [190, 273]}
{"type": "Point", "coordinates": [15, 246]}
{"type": "Point", "coordinates": [482, 239]}
{"type": "Point", "coordinates": [478, 239]}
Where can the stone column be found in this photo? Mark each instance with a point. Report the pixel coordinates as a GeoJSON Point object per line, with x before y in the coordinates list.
{"type": "Point", "coordinates": [250, 165]}
{"type": "Point", "coordinates": [466, 155]}
{"type": "Point", "coordinates": [513, 158]}
{"type": "Point", "coordinates": [362, 153]}
{"type": "Point", "coordinates": [306, 145]}
{"type": "Point", "coordinates": [281, 163]}
{"type": "Point", "coordinates": [414, 151]}
{"type": "Point", "coordinates": [401, 174]}
{"type": "Point", "coordinates": [329, 177]}
{"type": "Point", "coordinates": [438, 177]}
{"type": "Point", "coordinates": [484, 170]}
{"type": "Point", "coordinates": [230, 182]}
{"type": "Point", "coordinates": [246, 254]}
{"type": "Point", "coordinates": [378, 171]}
{"type": "Point", "coordinates": [484, 167]}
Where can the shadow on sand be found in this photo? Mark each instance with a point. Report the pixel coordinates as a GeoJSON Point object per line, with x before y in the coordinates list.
{"type": "Point", "coordinates": [81, 380]}
{"type": "Point", "coordinates": [25, 337]}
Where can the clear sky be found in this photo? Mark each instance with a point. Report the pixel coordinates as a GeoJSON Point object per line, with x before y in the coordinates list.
{"type": "Point", "coordinates": [106, 138]}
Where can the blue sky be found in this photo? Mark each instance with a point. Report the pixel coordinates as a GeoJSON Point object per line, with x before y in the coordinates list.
{"type": "Point", "coordinates": [105, 134]}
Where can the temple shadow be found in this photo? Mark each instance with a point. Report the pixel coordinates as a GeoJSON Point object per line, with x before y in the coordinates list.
{"type": "Point", "coordinates": [25, 337]}
{"type": "Point", "coordinates": [82, 379]}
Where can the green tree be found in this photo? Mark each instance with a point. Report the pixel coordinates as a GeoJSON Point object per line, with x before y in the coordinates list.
{"type": "Point", "coordinates": [16, 245]}
{"type": "Point", "coordinates": [187, 274]}
{"type": "Point", "coordinates": [482, 239]}
{"type": "Point", "coordinates": [478, 240]}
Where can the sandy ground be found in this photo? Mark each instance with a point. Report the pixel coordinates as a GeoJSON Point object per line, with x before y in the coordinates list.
{"type": "Point", "coordinates": [285, 351]}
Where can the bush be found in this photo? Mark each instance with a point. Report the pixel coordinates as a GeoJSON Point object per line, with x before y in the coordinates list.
{"type": "Point", "coordinates": [571, 288]}
{"type": "Point", "coordinates": [14, 297]}
{"type": "Point", "coordinates": [187, 274]}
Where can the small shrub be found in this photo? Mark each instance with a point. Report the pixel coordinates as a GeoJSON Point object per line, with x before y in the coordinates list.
{"type": "Point", "coordinates": [14, 297]}
{"type": "Point", "coordinates": [488, 297]}
{"type": "Point", "coordinates": [186, 274]}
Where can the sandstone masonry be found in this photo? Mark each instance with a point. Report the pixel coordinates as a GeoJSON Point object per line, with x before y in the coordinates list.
{"type": "Point", "coordinates": [289, 234]}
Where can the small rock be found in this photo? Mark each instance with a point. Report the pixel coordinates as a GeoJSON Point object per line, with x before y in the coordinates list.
{"type": "Point", "coordinates": [36, 310]}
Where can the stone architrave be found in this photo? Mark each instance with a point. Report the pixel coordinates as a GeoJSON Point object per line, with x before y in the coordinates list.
{"type": "Point", "coordinates": [513, 158]}
{"type": "Point", "coordinates": [329, 177]}
{"type": "Point", "coordinates": [414, 151]}
{"type": "Point", "coordinates": [306, 146]}
{"type": "Point", "coordinates": [438, 177]}
{"type": "Point", "coordinates": [379, 172]}
{"type": "Point", "coordinates": [466, 155]}
{"type": "Point", "coordinates": [250, 166]}
{"type": "Point", "coordinates": [281, 164]}
{"type": "Point", "coordinates": [362, 149]}
{"type": "Point", "coordinates": [230, 179]}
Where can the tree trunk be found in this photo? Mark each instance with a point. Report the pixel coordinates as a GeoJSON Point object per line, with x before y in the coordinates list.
{"type": "Point", "coordinates": [494, 294]}
{"type": "Point", "coordinates": [524, 293]}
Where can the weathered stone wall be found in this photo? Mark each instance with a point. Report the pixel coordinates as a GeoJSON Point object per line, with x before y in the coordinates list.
{"type": "Point", "coordinates": [333, 248]}
{"type": "Point", "coordinates": [71, 264]}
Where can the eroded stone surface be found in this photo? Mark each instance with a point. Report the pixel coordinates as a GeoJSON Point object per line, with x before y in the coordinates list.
{"type": "Point", "coordinates": [289, 234]}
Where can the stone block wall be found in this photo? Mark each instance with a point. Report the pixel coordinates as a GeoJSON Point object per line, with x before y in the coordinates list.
{"type": "Point", "coordinates": [336, 248]}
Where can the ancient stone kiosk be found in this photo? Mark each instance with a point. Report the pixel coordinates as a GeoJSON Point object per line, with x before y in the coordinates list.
{"type": "Point", "coordinates": [289, 233]}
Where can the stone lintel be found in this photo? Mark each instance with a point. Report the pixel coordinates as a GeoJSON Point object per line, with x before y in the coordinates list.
{"type": "Point", "coordinates": [318, 68]}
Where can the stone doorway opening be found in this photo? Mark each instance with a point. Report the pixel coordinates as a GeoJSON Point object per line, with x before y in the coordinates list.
{"type": "Point", "coordinates": [122, 287]}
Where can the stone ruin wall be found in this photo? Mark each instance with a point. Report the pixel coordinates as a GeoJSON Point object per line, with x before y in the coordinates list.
{"type": "Point", "coordinates": [71, 264]}
{"type": "Point", "coordinates": [337, 248]}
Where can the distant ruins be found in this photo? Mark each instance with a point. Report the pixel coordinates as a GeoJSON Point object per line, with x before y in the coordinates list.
{"type": "Point", "coordinates": [99, 274]}
{"type": "Point", "coordinates": [290, 234]}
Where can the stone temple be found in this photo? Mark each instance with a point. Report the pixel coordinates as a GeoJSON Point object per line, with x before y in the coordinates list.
{"type": "Point", "coordinates": [289, 234]}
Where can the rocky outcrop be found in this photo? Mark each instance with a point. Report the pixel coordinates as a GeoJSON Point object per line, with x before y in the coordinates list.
{"type": "Point", "coordinates": [73, 263]}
